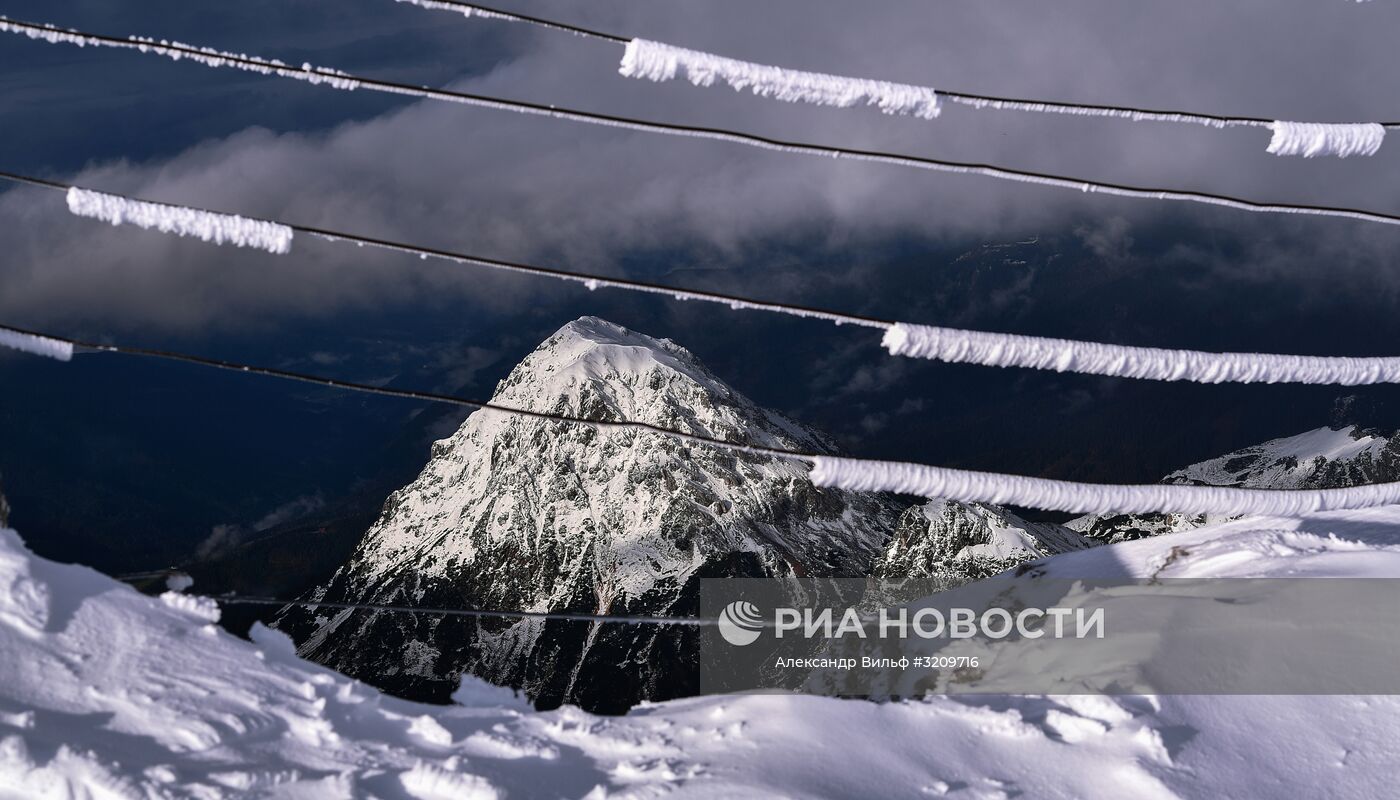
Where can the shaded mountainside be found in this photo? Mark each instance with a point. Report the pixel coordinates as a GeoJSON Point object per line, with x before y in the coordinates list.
{"type": "Point", "coordinates": [958, 542]}
{"type": "Point", "coordinates": [1324, 458]}
{"type": "Point", "coordinates": [533, 514]}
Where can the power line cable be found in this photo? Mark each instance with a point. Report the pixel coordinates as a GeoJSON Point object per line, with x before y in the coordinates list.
{"type": "Point", "coordinates": [234, 598]}
{"type": "Point", "coordinates": [973, 99]}
{"type": "Point", "coordinates": [911, 340]}
{"type": "Point", "coordinates": [347, 81]}
{"type": "Point", "coordinates": [488, 12]}
{"type": "Point", "coordinates": [238, 599]}
{"type": "Point", "coordinates": [869, 475]}
{"type": "Point", "coordinates": [408, 394]}
{"type": "Point", "coordinates": [589, 280]}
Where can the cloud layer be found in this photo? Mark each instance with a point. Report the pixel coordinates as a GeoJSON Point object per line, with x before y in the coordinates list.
{"type": "Point", "coordinates": [588, 198]}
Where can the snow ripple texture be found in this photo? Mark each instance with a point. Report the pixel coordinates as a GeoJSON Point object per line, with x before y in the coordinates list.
{"type": "Point", "coordinates": [207, 225]}
{"type": "Point", "coordinates": [38, 345]}
{"type": "Point", "coordinates": [1149, 363]}
{"type": "Point", "coordinates": [1087, 498]}
{"type": "Point", "coordinates": [1309, 139]}
{"type": "Point", "coordinates": [659, 62]}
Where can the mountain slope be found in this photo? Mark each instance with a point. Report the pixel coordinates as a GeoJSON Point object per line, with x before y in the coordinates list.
{"type": "Point", "coordinates": [1324, 458]}
{"type": "Point", "coordinates": [966, 541]}
{"type": "Point", "coordinates": [112, 694]}
{"type": "Point", "coordinates": [532, 514]}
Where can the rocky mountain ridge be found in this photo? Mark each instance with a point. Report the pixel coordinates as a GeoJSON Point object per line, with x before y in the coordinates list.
{"type": "Point", "coordinates": [956, 542]}
{"type": "Point", "coordinates": [533, 514]}
{"type": "Point", "coordinates": [1323, 458]}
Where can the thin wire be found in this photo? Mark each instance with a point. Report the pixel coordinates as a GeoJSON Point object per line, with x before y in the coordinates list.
{"type": "Point", "coordinates": [143, 576]}
{"type": "Point", "coordinates": [590, 280]}
{"type": "Point", "coordinates": [966, 97]}
{"type": "Point", "coordinates": [851, 474]}
{"type": "Point", "coordinates": [320, 75]}
{"type": "Point", "coordinates": [233, 598]}
{"type": "Point", "coordinates": [515, 16]}
{"type": "Point", "coordinates": [413, 394]}
{"type": "Point", "coordinates": [902, 338]}
{"type": "Point", "coordinates": [237, 599]}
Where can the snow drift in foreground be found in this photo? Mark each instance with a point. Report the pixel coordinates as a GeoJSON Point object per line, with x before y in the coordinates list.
{"type": "Point", "coordinates": [210, 226]}
{"type": "Point", "coordinates": [112, 694]}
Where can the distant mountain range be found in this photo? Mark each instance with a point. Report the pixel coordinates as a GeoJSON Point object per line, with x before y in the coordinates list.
{"type": "Point", "coordinates": [1324, 458]}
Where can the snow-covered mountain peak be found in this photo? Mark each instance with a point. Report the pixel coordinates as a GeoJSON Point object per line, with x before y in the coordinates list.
{"type": "Point", "coordinates": [599, 370]}
{"type": "Point", "coordinates": [590, 350]}
{"type": "Point", "coordinates": [539, 514]}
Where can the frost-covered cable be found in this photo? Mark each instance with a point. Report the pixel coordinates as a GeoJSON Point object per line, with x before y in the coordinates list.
{"type": "Point", "coordinates": [884, 476]}
{"type": "Point", "coordinates": [1120, 361]}
{"type": "Point", "coordinates": [181, 220]}
{"type": "Point", "coordinates": [590, 281]}
{"type": "Point", "coordinates": [487, 12]}
{"type": "Point", "coordinates": [860, 475]}
{"type": "Point", "coordinates": [36, 344]}
{"type": "Point", "coordinates": [952, 345]}
{"type": "Point", "coordinates": [1309, 139]}
{"type": "Point", "coordinates": [340, 80]}
{"type": "Point", "coordinates": [409, 394]}
{"type": "Point", "coordinates": [658, 61]}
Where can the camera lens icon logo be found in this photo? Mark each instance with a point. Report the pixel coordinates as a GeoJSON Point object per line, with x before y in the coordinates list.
{"type": "Point", "coordinates": [740, 623]}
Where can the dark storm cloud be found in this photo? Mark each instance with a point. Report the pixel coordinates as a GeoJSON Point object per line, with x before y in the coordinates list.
{"type": "Point", "coordinates": [523, 187]}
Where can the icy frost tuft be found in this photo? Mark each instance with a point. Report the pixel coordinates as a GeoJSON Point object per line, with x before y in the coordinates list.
{"type": "Point", "coordinates": [859, 475]}
{"type": "Point", "coordinates": [38, 345]}
{"type": "Point", "coordinates": [657, 61]}
{"type": "Point", "coordinates": [207, 225]}
{"type": "Point", "coordinates": [1148, 363]}
{"type": "Point", "coordinates": [1310, 139]}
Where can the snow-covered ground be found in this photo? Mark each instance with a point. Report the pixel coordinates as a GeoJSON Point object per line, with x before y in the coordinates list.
{"type": "Point", "coordinates": [107, 693]}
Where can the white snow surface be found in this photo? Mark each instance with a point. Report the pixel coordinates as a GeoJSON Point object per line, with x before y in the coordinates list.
{"type": "Point", "coordinates": [181, 221]}
{"type": "Point", "coordinates": [659, 62]}
{"type": "Point", "coordinates": [38, 345]}
{"type": "Point", "coordinates": [859, 475]}
{"type": "Point", "coordinates": [1309, 139]}
{"type": "Point", "coordinates": [1147, 363]}
{"type": "Point", "coordinates": [112, 694]}
{"type": "Point", "coordinates": [1006, 534]}
{"type": "Point", "coordinates": [1009, 536]}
